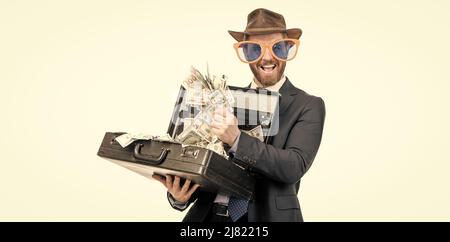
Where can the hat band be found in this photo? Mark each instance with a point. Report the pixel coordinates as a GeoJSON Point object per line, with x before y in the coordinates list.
{"type": "Point", "coordinates": [269, 29]}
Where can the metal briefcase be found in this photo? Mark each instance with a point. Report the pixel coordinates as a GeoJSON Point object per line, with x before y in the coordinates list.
{"type": "Point", "coordinates": [213, 172]}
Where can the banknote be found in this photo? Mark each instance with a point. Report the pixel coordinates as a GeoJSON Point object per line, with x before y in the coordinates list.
{"type": "Point", "coordinates": [188, 83]}
{"type": "Point", "coordinates": [217, 97]}
{"type": "Point", "coordinates": [218, 83]}
{"type": "Point", "coordinates": [187, 122]}
{"type": "Point", "coordinates": [141, 136]}
{"type": "Point", "coordinates": [256, 132]}
{"type": "Point", "coordinates": [126, 139]}
{"type": "Point", "coordinates": [218, 148]}
{"type": "Point", "coordinates": [194, 97]}
{"type": "Point", "coordinates": [165, 137]}
{"type": "Point", "coordinates": [206, 93]}
{"type": "Point", "coordinates": [190, 136]}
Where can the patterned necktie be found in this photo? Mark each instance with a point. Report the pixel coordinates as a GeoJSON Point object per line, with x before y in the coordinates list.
{"type": "Point", "coordinates": [237, 207]}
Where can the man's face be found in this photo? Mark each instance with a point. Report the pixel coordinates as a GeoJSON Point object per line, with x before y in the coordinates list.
{"type": "Point", "coordinates": [268, 70]}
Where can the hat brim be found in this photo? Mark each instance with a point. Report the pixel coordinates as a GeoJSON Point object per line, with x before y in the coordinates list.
{"type": "Point", "coordinates": [294, 33]}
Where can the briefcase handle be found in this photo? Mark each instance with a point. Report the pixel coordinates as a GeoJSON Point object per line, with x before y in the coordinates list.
{"type": "Point", "coordinates": [150, 159]}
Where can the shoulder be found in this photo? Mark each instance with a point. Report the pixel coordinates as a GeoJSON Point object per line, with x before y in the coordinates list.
{"type": "Point", "coordinates": [308, 99]}
{"type": "Point", "coordinates": [309, 104]}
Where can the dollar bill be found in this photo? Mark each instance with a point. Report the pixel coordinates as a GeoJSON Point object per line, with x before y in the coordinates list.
{"type": "Point", "coordinates": [196, 75]}
{"type": "Point", "coordinates": [217, 147]}
{"type": "Point", "coordinates": [189, 136]}
{"type": "Point", "coordinates": [165, 137]}
{"type": "Point", "coordinates": [126, 139]}
{"type": "Point", "coordinates": [218, 83]}
{"type": "Point", "coordinates": [187, 122]}
{"type": "Point", "coordinates": [188, 83]}
{"type": "Point", "coordinates": [204, 130]}
{"type": "Point", "coordinates": [216, 97]}
{"type": "Point", "coordinates": [256, 132]}
{"type": "Point", "coordinates": [207, 93]}
{"type": "Point", "coordinates": [194, 97]}
{"type": "Point", "coordinates": [229, 97]}
{"type": "Point", "coordinates": [141, 136]}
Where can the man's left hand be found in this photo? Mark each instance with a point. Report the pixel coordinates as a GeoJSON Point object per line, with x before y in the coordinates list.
{"type": "Point", "coordinates": [225, 126]}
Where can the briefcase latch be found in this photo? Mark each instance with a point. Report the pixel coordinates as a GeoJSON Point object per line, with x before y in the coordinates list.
{"type": "Point", "coordinates": [190, 152]}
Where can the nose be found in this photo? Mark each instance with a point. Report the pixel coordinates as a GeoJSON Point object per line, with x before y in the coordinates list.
{"type": "Point", "coordinates": [267, 57]}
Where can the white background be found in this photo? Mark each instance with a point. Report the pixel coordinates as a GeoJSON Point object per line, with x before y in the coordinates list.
{"type": "Point", "coordinates": [72, 70]}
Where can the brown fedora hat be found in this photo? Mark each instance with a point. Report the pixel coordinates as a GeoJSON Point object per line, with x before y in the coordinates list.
{"type": "Point", "coordinates": [264, 21]}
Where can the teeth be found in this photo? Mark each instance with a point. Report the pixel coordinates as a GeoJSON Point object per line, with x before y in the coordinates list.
{"type": "Point", "coordinates": [268, 67]}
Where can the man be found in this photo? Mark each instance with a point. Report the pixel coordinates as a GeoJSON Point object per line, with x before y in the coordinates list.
{"type": "Point", "coordinates": [266, 45]}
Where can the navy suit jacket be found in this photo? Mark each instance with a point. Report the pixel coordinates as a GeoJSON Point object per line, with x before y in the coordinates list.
{"type": "Point", "coordinates": [279, 165]}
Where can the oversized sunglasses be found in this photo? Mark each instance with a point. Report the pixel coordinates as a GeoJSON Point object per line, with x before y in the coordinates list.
{"type": "Point", "coordinates": [252, 51]}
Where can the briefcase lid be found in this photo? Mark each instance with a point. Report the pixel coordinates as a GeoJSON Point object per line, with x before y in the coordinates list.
{"type": "Point", "coordinates": [252, 107]}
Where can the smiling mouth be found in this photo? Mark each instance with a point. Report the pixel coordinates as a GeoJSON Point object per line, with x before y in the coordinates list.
{"type": "Point", "coordinates": [268, 68]}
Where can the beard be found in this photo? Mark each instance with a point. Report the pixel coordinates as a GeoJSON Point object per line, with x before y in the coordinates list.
{"type": "Point", "coordinates": [268, 78]}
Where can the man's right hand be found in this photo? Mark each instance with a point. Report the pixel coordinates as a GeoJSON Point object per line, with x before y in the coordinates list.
{"type": "Point", "coordinates": [172, 183]}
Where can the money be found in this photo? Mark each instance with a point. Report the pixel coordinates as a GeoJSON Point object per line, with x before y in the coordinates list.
{"type": "Point", "coordinates": [205, 96]}
{"type": "Point", "coordinates": [141, 136]}
{"type": "Point", "coordinates": [229, 97]}
{"type": "Point", "coordinates": [126, 139]}
{"type": "Point", "coordinates": [194, 97]}
{"type": "Point", "coordinates": [218, 83]}
{"type": "Point", "coordinates": [256, 132]}
{"type": "Point", "coordinates": [218, 148]}
{"type": "Point", "coordinates": [205, 131]}
{"type": "Point", "coordinates": [205, 93]}
{"type": "Point", "coordinates": [187, 122]}
{"type": "Point", "coordinates": [217, 97]}
{"type": "Point", "coordinates": [196, 75]}
{"type": "Point", "coordinates": [165, 137]}
{"type": "Point", "coordinates": [188, 83]}
{"type": "Point", "coordinates": [189, 136]}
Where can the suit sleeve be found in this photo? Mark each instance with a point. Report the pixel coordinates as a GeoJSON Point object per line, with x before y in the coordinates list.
{"type": "Point", "coordinates": [179, 205]}
{"type": "Point", "coordinates": [286, 165]}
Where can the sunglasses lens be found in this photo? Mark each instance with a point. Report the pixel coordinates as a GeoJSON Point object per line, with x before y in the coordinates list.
{"type": "Point", "coordinates": [285, 49]}
{"type": "Point", "coordinates": [249, 51]}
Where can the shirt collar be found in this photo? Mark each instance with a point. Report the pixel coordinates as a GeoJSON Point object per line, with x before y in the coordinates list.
{"type": "Point", "coordinates": [274, 88]}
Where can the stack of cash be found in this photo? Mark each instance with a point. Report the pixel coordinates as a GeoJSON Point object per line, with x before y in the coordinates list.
{"type": "Point", "coordinates": [206, 93]}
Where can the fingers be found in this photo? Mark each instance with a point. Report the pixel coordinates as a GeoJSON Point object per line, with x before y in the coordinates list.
{"type": "Point", "coordinates": [218, 128]}
{"type": "Point", "coordinates": [186, 186]}
{"type": "Point", "coordinates": [160, 179]}
{"type": "Point", "coordinates": [221, 125]}
{"type": "Point", "coordinates": [224, 120]}
{"type": "Point", "coordinates": [218, 131]}
{"type": "Point", "coordinates": [176, 183]}
{"type": "Point", "coordinates": [219, 118]}
{"type": "Point", "coordinates": [192, 190]}
{"type": "Point", "coordinates": [180, 194]}
{"type": "Point", "coordinates": [169, 183]}
{"type": "Point", "coordinates": [220, 110]}
{"type": "Point", "coordinates": [215, 124]}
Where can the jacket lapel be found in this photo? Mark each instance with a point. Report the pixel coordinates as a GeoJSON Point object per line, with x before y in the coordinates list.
{"type": "Point", "coordinates": [287, 93]}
